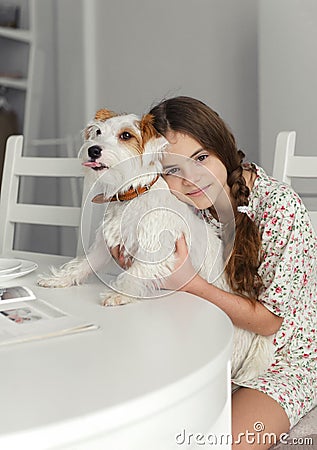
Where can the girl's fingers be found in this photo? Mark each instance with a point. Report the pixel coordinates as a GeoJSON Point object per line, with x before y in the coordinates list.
{"type": "Point", "coordinates": [115, 252]}
{"type": "Point", "coordinates": [118, 254]}
{"type": "Point", "coordinates": [181, 246]}
{"type": "Point", "coordinates": [125, 262]}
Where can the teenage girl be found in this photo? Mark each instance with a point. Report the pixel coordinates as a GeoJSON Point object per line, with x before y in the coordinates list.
{"type": "Point", "coordinates": [271, 263]}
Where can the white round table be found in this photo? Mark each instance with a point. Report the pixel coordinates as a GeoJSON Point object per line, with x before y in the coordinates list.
{"type": "Point", "coordinates": [155, 375]}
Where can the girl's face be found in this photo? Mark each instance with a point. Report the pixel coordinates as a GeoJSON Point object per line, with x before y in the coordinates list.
{"type": "Point", "coordinates": [193, 174]}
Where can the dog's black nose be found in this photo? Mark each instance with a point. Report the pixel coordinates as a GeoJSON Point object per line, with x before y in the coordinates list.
{"type": "Point", "coordinates": [94, 152]}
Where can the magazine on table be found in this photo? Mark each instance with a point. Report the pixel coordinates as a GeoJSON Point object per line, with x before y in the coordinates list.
{"type": "Point", "coordinates": [23, 317]}
{"type": "Point", "coordinates": [15, 294]}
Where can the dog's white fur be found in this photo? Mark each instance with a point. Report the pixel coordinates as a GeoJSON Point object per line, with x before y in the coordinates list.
{"type": "Point", "coordinates": [147, 227]}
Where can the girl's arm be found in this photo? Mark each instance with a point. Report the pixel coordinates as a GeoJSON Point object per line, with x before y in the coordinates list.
{"type": "Point", "coordinates": [245, 314]}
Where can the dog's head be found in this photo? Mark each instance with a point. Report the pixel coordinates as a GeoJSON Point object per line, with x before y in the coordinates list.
{"type": "Point", "coordinates": [118, 147]}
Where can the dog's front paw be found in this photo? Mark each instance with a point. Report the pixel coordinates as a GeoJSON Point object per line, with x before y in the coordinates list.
{"type": "Point", "coordinates": [114, 299]}
{"type": "Point", "coordinates": [55, 282]}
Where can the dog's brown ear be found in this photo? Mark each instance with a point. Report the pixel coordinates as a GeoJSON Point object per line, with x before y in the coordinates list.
{"type": "Point", "coordinates": [104, 114]}
{"type": "Point", "coordinates": [147, 128]}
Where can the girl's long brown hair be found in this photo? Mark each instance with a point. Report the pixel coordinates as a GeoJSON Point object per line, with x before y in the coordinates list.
{"type": "Point", "coordinates": [242, 243]}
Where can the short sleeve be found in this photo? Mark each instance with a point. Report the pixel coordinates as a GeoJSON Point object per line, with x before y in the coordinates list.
{"type": "Point", "coordinates": [286, 264]}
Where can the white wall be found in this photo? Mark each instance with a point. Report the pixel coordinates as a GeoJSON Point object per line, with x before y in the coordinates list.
{"type": "Point", "coordinates": [141, 51]}
{"type": "Point", "coordinates": [287, 74]}
{"type": "Point", "coordinates": [70, 93]}
{"type": "Point", "coordinates": [42, 122]}
{"type": "Point", "coordinates": [129, 54]}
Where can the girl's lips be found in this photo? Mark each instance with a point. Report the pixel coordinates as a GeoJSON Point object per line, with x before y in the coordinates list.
{"type": "Point", "coordinates": [198, 192]}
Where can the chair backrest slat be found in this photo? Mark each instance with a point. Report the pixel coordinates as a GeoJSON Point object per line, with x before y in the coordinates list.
{"type": "Point", "coordinates": [45, 215]}
{"type": "Point", "coordinates": [302, 167]}
{"type": "Point", "coordinates": [288, 166]}
{"type": "Point", "coordinates": [48, 167]}
{"type": "Point", "coordinates": [13, 212]}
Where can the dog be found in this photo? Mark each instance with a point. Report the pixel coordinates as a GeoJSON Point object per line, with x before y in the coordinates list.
{"type": "Point", "coordinates": [142, 216]}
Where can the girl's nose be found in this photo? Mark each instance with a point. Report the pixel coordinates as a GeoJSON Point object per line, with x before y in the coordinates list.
{"type": "Point", "coordinates": [191, 176]}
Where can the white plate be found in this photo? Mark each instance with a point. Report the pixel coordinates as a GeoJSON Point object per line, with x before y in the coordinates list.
{"type": "Point", "coordinates": [25, 268]}
{"type": "Point", "coordinates": [9, 265]}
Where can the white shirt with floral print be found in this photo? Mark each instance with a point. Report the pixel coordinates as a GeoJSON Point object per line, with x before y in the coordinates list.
{"type": "Point", "coordinates": [289, 274]}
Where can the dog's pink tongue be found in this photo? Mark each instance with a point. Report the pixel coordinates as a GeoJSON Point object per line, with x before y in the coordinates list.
{"type": "Point", "coordinates": [91, 164]}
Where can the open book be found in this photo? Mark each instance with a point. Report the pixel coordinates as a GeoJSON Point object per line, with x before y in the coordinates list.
{"type": "Point", "coordinates": [23, 317]}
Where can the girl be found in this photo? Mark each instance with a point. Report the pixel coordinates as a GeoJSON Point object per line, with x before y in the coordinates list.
{"type": "Point", "coordinates": [271, 262]}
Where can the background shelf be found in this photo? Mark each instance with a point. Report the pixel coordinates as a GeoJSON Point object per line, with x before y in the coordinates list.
{"type": "Point", "coordinates": [15, 83]}
{"type": "Point", "coordinates": [16, 34]}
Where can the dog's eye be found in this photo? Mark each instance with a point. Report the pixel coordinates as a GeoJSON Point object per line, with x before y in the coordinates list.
{"type": "Point", "coordinates": [125, 136]}
{"type": "Point", "coordinates": [98, 132]}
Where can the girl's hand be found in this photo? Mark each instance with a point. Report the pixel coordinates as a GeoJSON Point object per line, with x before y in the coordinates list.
{"type": "Point", "coordinates": [119, 255]}
{"type": "Point", "coordinates": [184, 276]}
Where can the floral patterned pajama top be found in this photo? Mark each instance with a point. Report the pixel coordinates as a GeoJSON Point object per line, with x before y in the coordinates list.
{"type": "Point", "coordinates": [289, 273]}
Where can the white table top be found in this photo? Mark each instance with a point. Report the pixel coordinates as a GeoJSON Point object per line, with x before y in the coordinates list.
{"type": "Point", "coordinates": [143, 354]}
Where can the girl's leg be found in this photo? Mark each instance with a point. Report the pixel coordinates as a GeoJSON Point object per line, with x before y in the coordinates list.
{"type": "Point", "coordinates": [258, 420]}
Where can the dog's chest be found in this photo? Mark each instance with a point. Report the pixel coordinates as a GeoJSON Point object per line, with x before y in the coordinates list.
{"type": "Point", "coordinates": [142, 218]}
{"type": "Point", "coordinates": [122, 221]}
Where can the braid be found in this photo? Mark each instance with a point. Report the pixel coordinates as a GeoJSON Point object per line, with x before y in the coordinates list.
{"type": "Point", "coordinates": [244, 257]}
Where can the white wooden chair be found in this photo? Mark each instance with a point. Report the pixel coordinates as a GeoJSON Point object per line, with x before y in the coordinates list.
{"type": "Point", "coordinates": [288, 166]}
{"type": "Point", "coordinates": [12, 212]}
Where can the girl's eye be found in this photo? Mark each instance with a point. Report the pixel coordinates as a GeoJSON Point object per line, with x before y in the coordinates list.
{"type": "Point", "coordinates": [125, 136]}
{"type": "Point", "coordinates": [202, 157]}
{"type": "Point", "coordinates": [98, 132]}
{"type": "Point", "coordinates": [171, 171]}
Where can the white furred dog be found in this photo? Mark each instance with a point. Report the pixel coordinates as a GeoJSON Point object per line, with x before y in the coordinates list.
{"type": "Point", "coordinates": [145, 219]}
